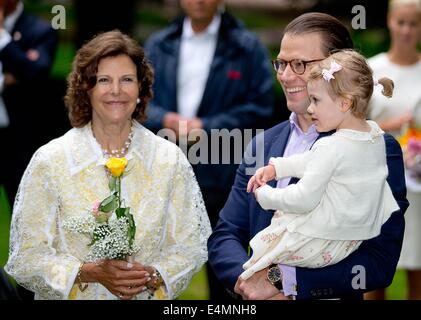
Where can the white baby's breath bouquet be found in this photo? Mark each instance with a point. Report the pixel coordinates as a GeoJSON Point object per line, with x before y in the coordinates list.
{"type": "Point", "coordinates": [112, 236]}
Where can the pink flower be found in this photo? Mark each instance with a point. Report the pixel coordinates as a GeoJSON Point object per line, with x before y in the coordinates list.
{"type": "Point", "coordinates": [295, 258]}
{"type": "Point", "coordinates": [412, 157]}
{"type": "Point", "coordinates": [327, 257]}
{"type": "Point", "coordinates": [95, 208]}
{"type": "Point", "coordinates": [100, 216]}
{"type": "Point", "coordinates": [414, 146]}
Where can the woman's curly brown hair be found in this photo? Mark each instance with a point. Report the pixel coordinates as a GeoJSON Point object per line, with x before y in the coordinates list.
{"type": "Point", "coordinates": [84, 69]}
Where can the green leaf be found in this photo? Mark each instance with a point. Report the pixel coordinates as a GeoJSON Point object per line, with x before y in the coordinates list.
{"type": "Point", "coordinates": [122, 212]}
{"type": "Point", "coordinates": [112, 183]}
{"type": "Point", "coordinates": [109, 204]}
{"type": "Point", "coordinates": [132, 228]}
{"type": "Point", "coordinates": [103, 217]}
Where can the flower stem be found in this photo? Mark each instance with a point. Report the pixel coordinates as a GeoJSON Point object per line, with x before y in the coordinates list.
{"type": "Point", "coordinates": [119, 192]}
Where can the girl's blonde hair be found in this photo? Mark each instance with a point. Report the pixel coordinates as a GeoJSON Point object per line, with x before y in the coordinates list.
{"type": "Point", "coordinates": [354, 81]}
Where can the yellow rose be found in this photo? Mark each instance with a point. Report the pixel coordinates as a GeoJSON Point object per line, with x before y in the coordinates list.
{"type": "Point", "coordinates": [116, 166]}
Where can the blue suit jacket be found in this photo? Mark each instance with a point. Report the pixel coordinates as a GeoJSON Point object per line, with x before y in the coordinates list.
{"type": "Point", "coordinates": [28, 101]}
{"type": "Point", "coordinates": [28, 94]}
{"type": "Point", "coordinates": [29, 32]}
{"type": "Point", "coordinates": [242, 217]}
{"type": "Point", "coordinates": [238, 92]}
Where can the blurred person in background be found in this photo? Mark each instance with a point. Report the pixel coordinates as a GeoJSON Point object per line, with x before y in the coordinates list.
{"type": "Point", "coordinates": [210, 73]}
{"type": "Point", "coordinates": [96, 16]}
{"type": "Point", "coordinates": [402, 63]}
{"type": "Point", "coordinates": [27, 49]}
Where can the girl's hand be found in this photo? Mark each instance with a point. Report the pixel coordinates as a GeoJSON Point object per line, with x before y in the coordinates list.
{"type": "Point", "coordinates": [261, 177]}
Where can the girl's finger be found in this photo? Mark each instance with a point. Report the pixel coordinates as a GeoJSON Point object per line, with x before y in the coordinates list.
{"type": "Point", "coordinates": [250, 184]}
{"type": "Point", "coordinates": [258, 177]}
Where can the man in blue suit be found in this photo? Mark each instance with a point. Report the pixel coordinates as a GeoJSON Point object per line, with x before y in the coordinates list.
{"type": "Point", "coordinates": [307, 39]}
{"type": "Point", "coordinates": [27, 48]}
{"type": "Point", "coordinates": [210, 73]}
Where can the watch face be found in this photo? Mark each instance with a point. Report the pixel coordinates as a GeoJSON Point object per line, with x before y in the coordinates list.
{"type": "Point", "coordinates": [274, 274]}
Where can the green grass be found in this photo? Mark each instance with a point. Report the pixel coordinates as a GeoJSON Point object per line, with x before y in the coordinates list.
{"type": "Point", "coordinates": [198, 288]}
{"type": "Point", "coordinates": [4, 226]}
{"type": "Point", "coordinates": [62, 65]}
{"type": "Point", "coordinates": [397, 290]}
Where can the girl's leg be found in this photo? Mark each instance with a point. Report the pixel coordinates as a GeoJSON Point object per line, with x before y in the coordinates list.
{"type": "Point", "coordinates": [267, 239]}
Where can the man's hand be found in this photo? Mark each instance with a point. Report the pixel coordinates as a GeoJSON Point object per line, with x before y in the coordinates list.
{"type": "Point", "coordinates": [171, 120]}
{"type": "Point", "coordinates": [32, 54]}
{"type": "Point", "coordinates": [194, 123]}
{"type": "Point", "coordinates": [1, 15]}
{"type": "Point", "coordinates": [280, 296]}
{"type": "Point", "coordinates": [9, 79]}
{"type": "Point", "coordinates": [175, 122]}
{"type": "Point", "coordinates": [257, 287]}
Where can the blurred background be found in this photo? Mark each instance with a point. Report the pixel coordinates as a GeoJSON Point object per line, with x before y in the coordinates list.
{"type": "Point", "coordinates": [140, 18]}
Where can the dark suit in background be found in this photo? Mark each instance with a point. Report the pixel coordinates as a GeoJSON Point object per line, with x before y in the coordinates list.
{"type": "Point", "coordinates": [7, 291]}
{"type": "Point", "coordinates": [28, 99]}
{"type": "Point", "coordinates": [28, 59]}
{"type": "Point", "coordinates": [95, 16]}
{"type": "Point", "coordinates": [238, 95]}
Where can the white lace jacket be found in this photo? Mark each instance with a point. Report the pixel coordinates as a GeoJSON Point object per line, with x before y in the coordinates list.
{"type": "Point", "coordinates": [63, 180]}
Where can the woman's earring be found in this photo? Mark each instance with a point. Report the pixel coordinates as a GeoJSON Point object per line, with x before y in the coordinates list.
{"type": "Point", "coordinates": [137, 101]}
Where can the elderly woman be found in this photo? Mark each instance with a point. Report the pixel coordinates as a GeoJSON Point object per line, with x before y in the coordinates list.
{"type": "Point", "coordinates": [108, 90]}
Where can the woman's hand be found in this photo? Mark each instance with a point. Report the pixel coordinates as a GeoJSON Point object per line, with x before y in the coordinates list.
{"type": "Point", "coordinates": [261, 177]}
{"type": "Point", "coordinates": [121, 278]}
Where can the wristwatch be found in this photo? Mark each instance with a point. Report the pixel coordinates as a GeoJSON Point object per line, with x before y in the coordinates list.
{"type": "Point", "coordinates": [274, 276]}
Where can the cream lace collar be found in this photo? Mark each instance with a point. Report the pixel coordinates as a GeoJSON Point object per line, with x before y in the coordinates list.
{"type": "Point", "coordinates": [81, 148]}
{"type": "Point", "coordinates": [361, 135]}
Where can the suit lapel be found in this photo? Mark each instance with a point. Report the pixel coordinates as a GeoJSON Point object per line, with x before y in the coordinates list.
{"type": "Point", "coordinates": [214, 79]}
{"type": "Point", "coordinates": [227, 48]}
{"type": "Point", "coordinates": [171, 47]}
{"type": "Point", "coordinates": [278, 145]}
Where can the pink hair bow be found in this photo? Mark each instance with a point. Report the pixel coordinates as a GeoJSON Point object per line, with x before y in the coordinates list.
{"type": "Point", "coordinates": [328, 74]}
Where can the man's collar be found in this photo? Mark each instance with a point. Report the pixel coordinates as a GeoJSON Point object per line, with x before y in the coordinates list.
{"type": "Point", "coordinates": [293, 120]}
{"type": "Point", "coordinates": [212, 28]}
{"type": "Point", "coordinates": [11, 19]}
